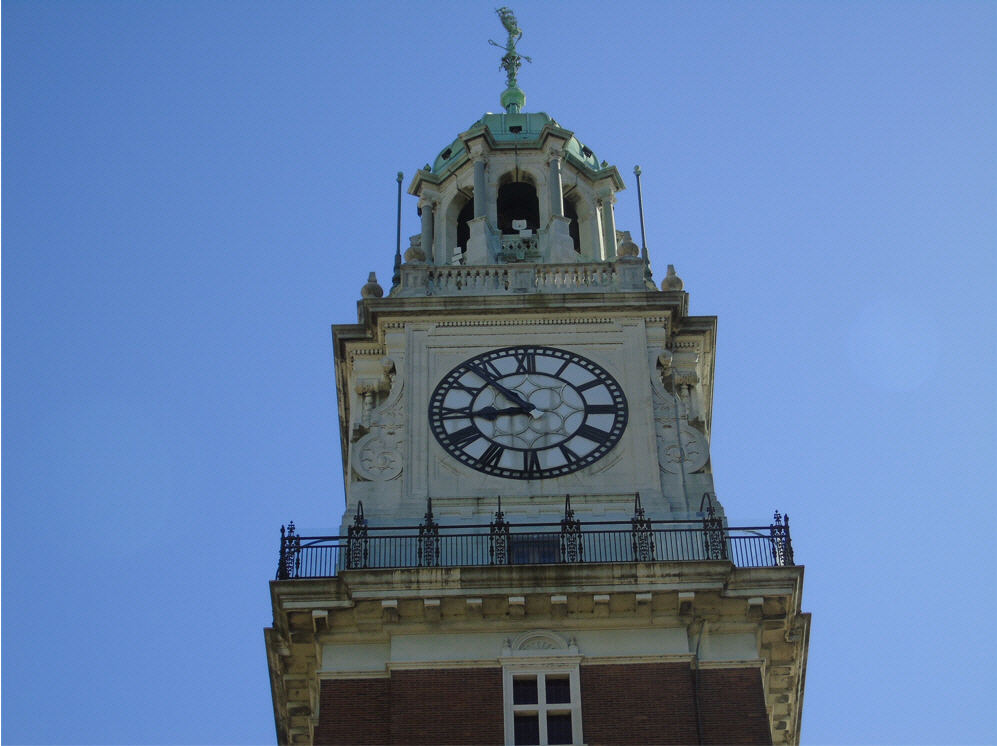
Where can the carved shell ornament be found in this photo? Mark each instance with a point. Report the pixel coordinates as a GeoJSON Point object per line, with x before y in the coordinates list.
{"type": "Point", "coordinates": [539, 640]}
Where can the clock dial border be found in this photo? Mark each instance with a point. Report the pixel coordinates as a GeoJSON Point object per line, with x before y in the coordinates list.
{"type": "Point", "coordinates": [490, 463]}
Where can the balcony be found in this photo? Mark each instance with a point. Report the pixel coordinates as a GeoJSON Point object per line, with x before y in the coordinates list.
{"type": "Point", "coordinates": [569, 541]}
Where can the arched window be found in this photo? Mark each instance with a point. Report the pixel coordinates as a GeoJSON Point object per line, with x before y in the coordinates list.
{"type": "Point", "coordinates": [571, 212]}
{"type": "Point", "coordinates": [517, 200]}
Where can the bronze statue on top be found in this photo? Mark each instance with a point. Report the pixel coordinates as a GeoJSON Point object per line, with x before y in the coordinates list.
{"type": "Point", "coordinates": [511, 60]}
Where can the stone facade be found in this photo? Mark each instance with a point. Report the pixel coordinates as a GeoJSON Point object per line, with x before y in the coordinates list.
{"type": "Point", "coordinates": [518, 264]}
{"type": "Point", "coordinates": [661, 649]}
{"type": "Point", "coordinates": [388, 364]}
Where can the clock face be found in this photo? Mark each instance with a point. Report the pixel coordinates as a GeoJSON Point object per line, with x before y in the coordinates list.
{"type": "Point", "coordinates": [528, 412]}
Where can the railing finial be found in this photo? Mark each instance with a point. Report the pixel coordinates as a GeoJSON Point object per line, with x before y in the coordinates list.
{"type": "Point", "coordinates": [357, 541]}
{"type": "Point", "coordinates": [498, 538]}
{"type": "Point", "coordinates": [429, 538]}
{"type": "Point", "coordinates": [572, 548]}
{"type": "Point", "coordinates": [782, 546]}
{"type": "Point", "coordinates": [641, 533]}
{"type": "Point", "coordinates": [708, 501]}
{"type": "Point", "coordinates": [289, 561]}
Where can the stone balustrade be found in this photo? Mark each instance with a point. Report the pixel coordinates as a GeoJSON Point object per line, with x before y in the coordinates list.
{"type": "Point", "coordinates": [499, 279]}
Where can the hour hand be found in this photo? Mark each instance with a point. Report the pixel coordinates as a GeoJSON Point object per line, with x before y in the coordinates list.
{"type": "Point", "coordinates": [491, 413]}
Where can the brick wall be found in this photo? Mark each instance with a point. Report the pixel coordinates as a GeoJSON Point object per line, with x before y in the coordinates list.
{"type": "Point", "coordinates": [426, 706]}
{"type": "Point", "coordinates": [354, 711]}
{"type": "Point", "coordinates": [655, 703]}
{"type": "Point", "coordinates": [651, 703]}
{"type": "Point", "coordinates": [732, 703]}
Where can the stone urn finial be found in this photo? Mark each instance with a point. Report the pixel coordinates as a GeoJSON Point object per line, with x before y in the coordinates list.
{"type": "Point", "coordinates": [371, 289]}
{"type": "Point", "coordinates": [672, 281]}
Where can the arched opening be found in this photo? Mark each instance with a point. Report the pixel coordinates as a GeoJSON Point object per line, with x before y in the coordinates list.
{"type": "Point", "coordinates": [517, 200]}
{"type": "Point", "coordinates": [571, 212]}
{"type": "Point", "coordinates": [465, 216]}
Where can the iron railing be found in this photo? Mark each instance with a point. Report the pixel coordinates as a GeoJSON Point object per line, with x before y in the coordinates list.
{"type": "Point", "coordinates": [569, 541]}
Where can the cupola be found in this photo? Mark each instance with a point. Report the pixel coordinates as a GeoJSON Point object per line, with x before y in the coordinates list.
{"type": "Point", "coordinates": [516, 187]}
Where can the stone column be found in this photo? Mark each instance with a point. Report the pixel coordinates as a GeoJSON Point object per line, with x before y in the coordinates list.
{"type": "Point", "coordinates": [480, 205]}
{"type": "Point", "coordinates": [556, 192]}
{"type": "Point", "coordinates": [427, 229]}
{"type": "Point", "coordinates": [608, 226]}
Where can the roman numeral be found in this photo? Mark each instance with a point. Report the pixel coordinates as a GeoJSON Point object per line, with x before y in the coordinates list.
{"type": "Point", "coordinates": [600, 409]}
{"type": "Point", "coordinates": [472, 392]}
{"type": "Point", "coordinates": [589, 384]}
{"type": "Point", "coordinates": [464, 436]}
{"type": "Point", "coordinates": [564, 367]}
{"type": "Point", "coordinates": [486, 370]}
{"type": "Point", "coordinates": [531, 463]}
{"type": "Point", "coordinates": [492, 455]}
{"type": "Point", "coordinates": [526, 361]}
{"type": "Point", "coordinates": [569, 455]}
{"type": "Point", "coordinates": [592, 433]}
{"type": "Point", "coordinates": [461, 413]}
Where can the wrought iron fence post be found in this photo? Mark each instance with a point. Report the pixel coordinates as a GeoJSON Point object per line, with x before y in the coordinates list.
{"type": "Point", "coordinates": [571, 534]}
{"type": "Point", "coordinates": [641, 536]}
{"type": "Point", "coordinates": [714, 543]}
{"type": "Point", "coordinates": [498, 538]}
{"type": "Point", "coordinates": [357, 541]}
{"type": "Point", "coordinates": [429, 538]}
{"type": "Point", "coordinates": [782, 548]}
{"type": "Point", "coordinates": [290, 551]}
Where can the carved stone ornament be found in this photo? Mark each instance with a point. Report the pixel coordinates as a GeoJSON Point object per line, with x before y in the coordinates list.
{"type": "Point", "coordinates": [540, 641]}
{"type": "Point", "coordinates": [687, 447]}
{"type": "Point", "coordinates": [414, 253]}
{"type": "Point", "coordinates": [377, 456]}
{"type": "Point", "coordinates": [680, 445]}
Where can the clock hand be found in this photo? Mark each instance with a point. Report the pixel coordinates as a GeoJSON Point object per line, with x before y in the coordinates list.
{"type": "Point", "coordinates": [506, 392]}
{"type": "Point", "coordinates": [490, 413]}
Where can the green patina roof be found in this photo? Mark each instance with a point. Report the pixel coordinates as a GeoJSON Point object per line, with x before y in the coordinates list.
{"type": "Point", "coordinates": [499, 125]}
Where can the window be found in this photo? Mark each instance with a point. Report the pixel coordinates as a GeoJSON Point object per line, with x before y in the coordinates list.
{"type": "Point", "coordinates": [542, 691]}
{"type": "Point", "coordinates": [541, 706]}
{"type": "Point", "coordinates": [534, 549]}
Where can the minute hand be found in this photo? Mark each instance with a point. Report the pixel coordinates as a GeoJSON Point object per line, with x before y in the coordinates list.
{"type": "Point", "coordinates": [506, 392]}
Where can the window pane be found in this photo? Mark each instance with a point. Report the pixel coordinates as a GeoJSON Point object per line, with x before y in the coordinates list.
{"type": "Point", "coordinates": [524, 691]}
{"type": "Point", "coordinates": [534, 549]}
{"type": "Point", "coordinates": [558, 728]}
{"type": "Point", "coordinates": [528, 730]}
{"type": "Point", "coordinates": [558, 690]}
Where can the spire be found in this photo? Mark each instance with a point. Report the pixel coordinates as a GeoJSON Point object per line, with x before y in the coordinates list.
{"type": "Point", "coordinates": [513, 99]}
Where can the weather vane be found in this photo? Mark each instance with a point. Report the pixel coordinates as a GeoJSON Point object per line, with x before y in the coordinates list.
{"type": "Point", "coordinates": [511, 60]}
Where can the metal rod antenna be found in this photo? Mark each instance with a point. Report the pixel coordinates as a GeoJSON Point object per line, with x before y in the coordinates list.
{"type": "Point", "coordinates": [396, 275]}
{"type": "Point", "coordinates": [643, 237]}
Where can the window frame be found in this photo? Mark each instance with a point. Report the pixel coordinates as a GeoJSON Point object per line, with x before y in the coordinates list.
{"type": "Point", "coordinates": [537, 656]}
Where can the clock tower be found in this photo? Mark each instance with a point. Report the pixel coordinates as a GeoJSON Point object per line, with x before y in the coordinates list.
{"type": "Point", "coordinates": [532, 550]}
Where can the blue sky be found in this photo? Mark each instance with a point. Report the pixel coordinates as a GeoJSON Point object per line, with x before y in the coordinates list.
{"type": "Point", "coordinates": [194, 191]}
